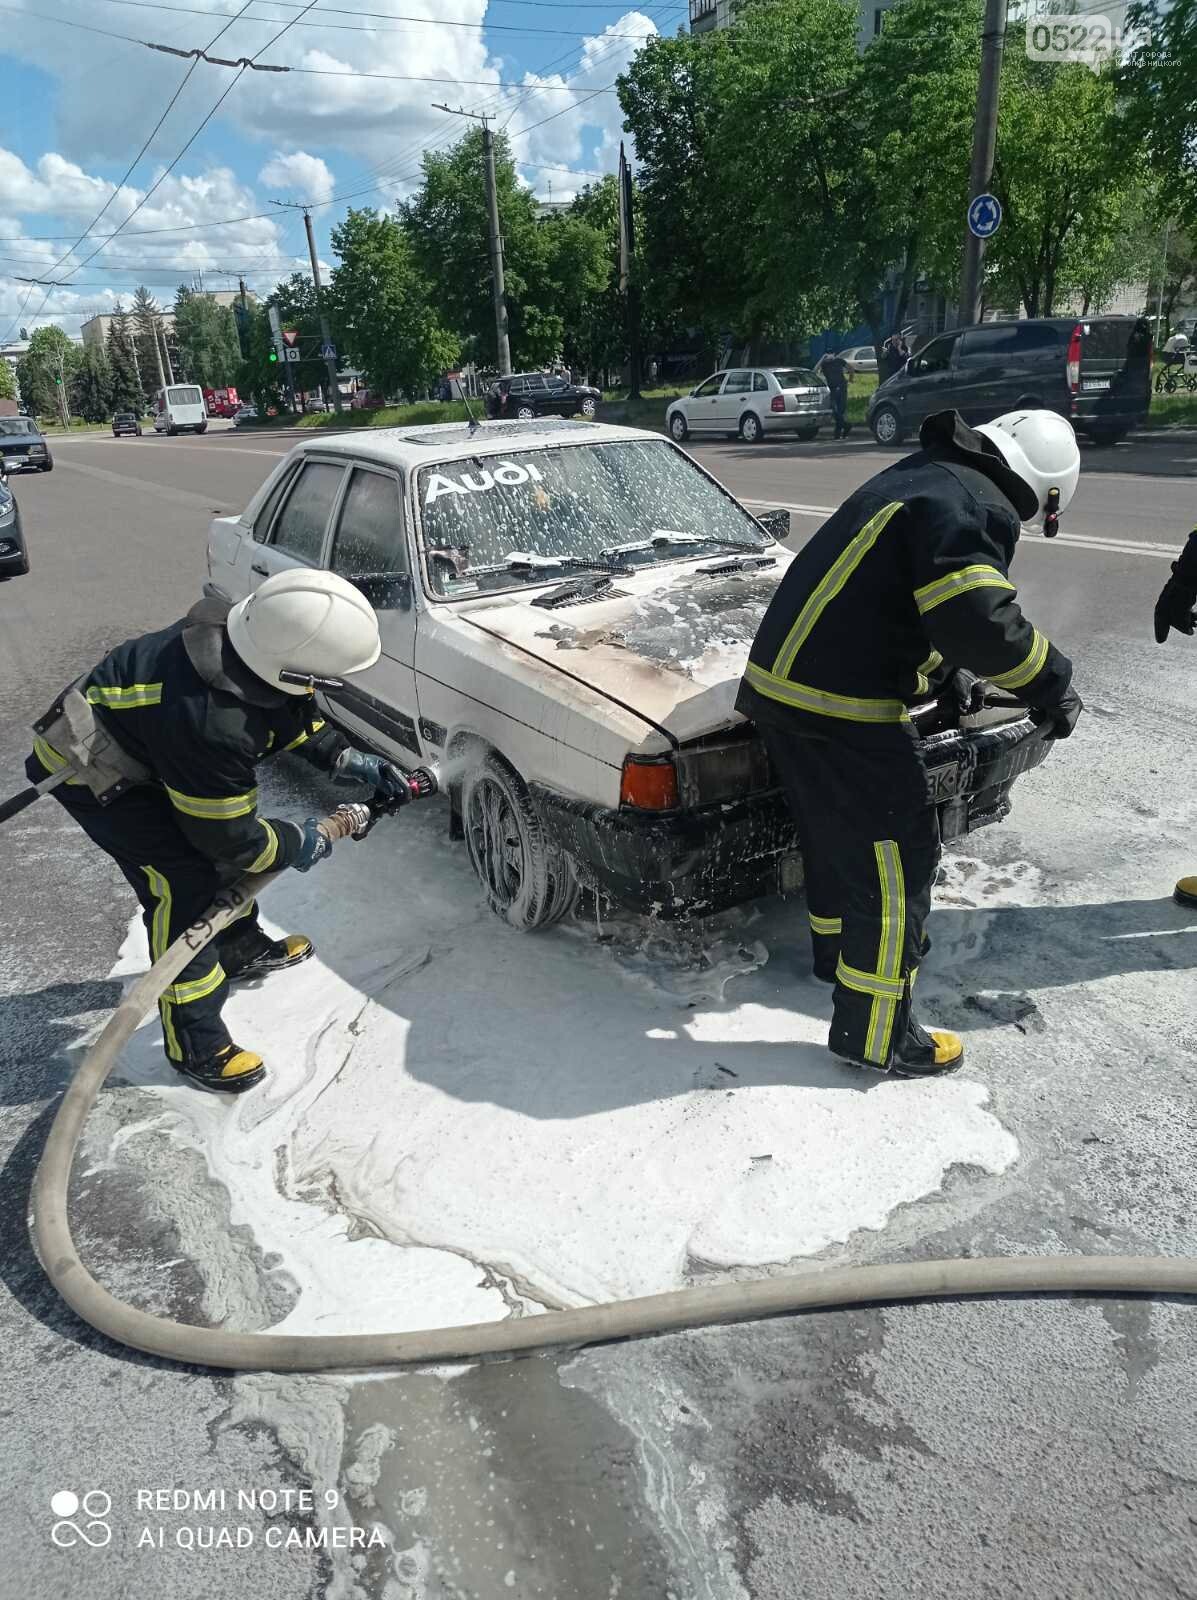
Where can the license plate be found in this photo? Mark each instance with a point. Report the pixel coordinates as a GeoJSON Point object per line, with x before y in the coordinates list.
{"type": "Point", "coordinates": [1090, 384]}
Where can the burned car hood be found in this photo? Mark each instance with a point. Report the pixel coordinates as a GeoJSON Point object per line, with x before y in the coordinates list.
{"type": "Point", "coordinates": [670, 647]}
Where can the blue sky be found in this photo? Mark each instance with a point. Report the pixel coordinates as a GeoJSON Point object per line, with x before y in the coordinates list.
{"type": "Point", "coordinates": [79, 103]}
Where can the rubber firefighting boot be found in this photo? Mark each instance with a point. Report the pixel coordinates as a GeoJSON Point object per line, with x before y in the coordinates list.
{"type": "Point", "coordinates": [1185, 893]}
{"type": "Point", "coordinates": [255, 955]}
{"type": "Point", "coordinates": [921, 1054]}
{"type": "Point", "coordinates": [229, 1070]}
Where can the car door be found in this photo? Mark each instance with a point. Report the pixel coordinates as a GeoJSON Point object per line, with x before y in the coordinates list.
{"type": "Point", "coordinates": [370, 547]}
{"type": "Point", "coordinates": [734, 400]}
{"type": "Point", "coordinates": [985, 369]}
{"type": "Point", "coordinates": [289, 530]}
{"type": "Point", "coordinates": [927, 385]}
{"type": "Point", "coordinates": [700, 408]}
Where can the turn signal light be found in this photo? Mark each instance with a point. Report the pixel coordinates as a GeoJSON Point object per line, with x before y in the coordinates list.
{"type": "Point", "coordinates": [649, 783]}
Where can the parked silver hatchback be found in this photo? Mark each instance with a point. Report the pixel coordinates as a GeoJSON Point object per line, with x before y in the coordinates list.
{"type": "Point", "coordinates": [753, 402]}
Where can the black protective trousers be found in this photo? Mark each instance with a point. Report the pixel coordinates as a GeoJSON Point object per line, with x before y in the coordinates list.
{"type": "Point", "coordinates": [175, 885]}
{"type": "Point", "coordinates": [870, 846]}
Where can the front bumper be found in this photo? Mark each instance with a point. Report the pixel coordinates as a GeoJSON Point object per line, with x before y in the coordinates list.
{"type": "Point", "coordinates": [23, 463]}
{"type": "Point", "coordinates": [699, 861]}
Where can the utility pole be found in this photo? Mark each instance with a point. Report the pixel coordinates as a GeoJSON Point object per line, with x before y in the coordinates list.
{"type": "Point", "coordinates": [498, 287]}
{"type": "Point", "coordinates": [1159, 304]}
{"type": "Point", "coordinates": [160, 331]}
{"type": "Point", "coordinates": [330, 362]}
{"type": "Point", "coordinates": [243, 329]}
{"type": "Point", "coordinates": [984, 143]}
{"type": "Point", "coordinates": [157, 352]}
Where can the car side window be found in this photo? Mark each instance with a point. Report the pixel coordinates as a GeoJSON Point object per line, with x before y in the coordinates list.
{"type": "Point", "coordinates": [264, 517]}
{"type": "Point", "coordinates": [934, 357]}
{"type": "Point", "coordinates": [303, 520]}
{"type": "Point", "coordinates": [760, 384]}
{"type": "Point", "coordinates": [1035, 338]}
{"type": "Point", "coordinates": [369, 536]}
{"type": "Point", "coordinates": [710, 387]}
{"type": "Point", "coordinates": [984, 344]}
{"type": "Point", "coordinates": [738, 383]}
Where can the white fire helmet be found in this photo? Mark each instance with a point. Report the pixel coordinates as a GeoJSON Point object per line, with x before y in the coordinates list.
{"type": "Point", "coordinates": [307, 622]}
{"type": "Point", "coordinates": [1041, 448]}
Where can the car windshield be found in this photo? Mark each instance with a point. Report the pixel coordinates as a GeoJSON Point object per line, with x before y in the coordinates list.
{"type": "Point", "coordinates": [503, 521]}
{"type": "Point", "coordinates": [797, 378]}
{"type": "Point", "coordinates": [16, 425]}
{"type": "Point", "coordinates": [184, 396]}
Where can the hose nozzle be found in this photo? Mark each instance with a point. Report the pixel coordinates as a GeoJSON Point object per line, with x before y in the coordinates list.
{"type": "Point", "coordinates": [424, 782]}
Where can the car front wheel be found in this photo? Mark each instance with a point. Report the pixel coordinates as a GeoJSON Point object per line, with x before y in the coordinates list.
{"type": "Point", "coordinates": [526, 880]}
{"type": "Point", "coordinates": [751, 430]}
{"type": "Point", "coordinates": [886, 425]}
{"type": "Point", "coordinates": [678, 431]}
{"type": "Point", "coordinates": [589, 406]}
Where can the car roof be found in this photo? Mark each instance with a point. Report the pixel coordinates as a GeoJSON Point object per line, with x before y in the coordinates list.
{"type": "Point", "coordinates": [455, 441]}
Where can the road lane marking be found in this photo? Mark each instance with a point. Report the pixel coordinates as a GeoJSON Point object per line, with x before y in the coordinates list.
{"type": "Point", "coordinates": [1078, 541]}
{"type": "Point", "coordinates": [180, 444]}
{"type": "Point", "coordinates": [161, 491]}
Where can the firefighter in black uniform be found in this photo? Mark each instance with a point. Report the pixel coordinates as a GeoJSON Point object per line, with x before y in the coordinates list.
{"type": "Point", "coordinates": [195, 707]}
{"type": "Point", "coordinates": [1177, 608]}
{"type": "Point", "coordinates": [907, 580]}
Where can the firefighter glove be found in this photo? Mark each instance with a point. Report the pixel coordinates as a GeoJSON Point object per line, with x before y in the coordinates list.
{"type": "Point", "coordinates": [316, 845]}
{"type": "Point", "coordinates": [1061, 718]}
{"type": "Point", "coordinates": [1175, 607]}
{"type": "Point", "coordinates": [968, 691]}
{"type": "Point", "coordinates": [384, 777]}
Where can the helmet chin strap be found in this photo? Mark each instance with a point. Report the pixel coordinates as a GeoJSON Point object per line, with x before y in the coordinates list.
{"type": "Point", "coordinates": [1051, 514]}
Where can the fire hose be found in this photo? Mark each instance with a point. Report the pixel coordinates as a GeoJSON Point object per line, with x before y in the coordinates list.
{"type": "Point", "coordinates": [703, 1305]}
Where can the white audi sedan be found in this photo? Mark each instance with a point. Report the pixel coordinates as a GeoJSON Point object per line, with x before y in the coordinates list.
{"type": "Point", "coordinates": [754, 403]}
{"type": "Point", "coordinates": [566, 609]}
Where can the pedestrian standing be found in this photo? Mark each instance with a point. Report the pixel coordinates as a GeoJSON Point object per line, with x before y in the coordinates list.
{"type": "Point", "coordinates": [836, 373]}
{"type": "Point", "coordinates": [894, 355]}
{"type": "Point", "coordinates": [1177, 608]}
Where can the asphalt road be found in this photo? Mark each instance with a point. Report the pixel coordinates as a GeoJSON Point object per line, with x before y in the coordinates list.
{"type": "Point", "coordinates": [1012, 1448]}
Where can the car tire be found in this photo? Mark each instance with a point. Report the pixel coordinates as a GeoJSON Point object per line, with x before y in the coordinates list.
{"type": "Point", "coordinates": [1105, 437]}
{"type": "Point", "coordinates": [589, 407]}
{"type": "Point", "coordinates": [170, 432]}
{"type": "Point", "coordinates": [751, 429]}
{"type": "Point", "coordinates": [525, 413]}
{"type": "Point", "coordinates": [202, 427]}
{"type": "Point", "coordinates": [886, 426]}
{"type": "Point", "coordinates": [807, 434]}
{"type": "Point", "coordinates": [527, 881]}
{"type": "Point", "coordinates": [679, 430]}
{"type": "Point", "coordinates": [46, 466]}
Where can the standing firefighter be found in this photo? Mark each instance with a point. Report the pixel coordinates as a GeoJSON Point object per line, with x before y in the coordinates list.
{"type": "Point", "coordinates": [907, 579]}
{"type": "Point", "coordinates": [1177, 608]}
{"type": "Point", "coordinates": [191, 710]}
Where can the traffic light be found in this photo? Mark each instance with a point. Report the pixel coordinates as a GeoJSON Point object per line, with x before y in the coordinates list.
{"type": "Point", "coordinates": [58, 383]}
{"type": "Point", "coordinates": [272, 357]}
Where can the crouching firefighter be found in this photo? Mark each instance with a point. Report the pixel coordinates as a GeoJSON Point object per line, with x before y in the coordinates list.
{"type": "Point", "coordinates": [908, 579]}
{"type": "Point", "coordinates": [182, 717]}
{"type": "Point", "coordinates": [1177, 608]}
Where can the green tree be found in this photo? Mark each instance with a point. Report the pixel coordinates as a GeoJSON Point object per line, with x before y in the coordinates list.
{"type": "Point", "coordinates": [146, 319]}
{"type": "Point", "coordinates": [1178, 274]}
{"type": "Point", "coordinates": [127, 392]}
{"type": "Point", "coordinates": [381, 305]}
{"type": "Point", "coordinates": [295, 298]}
{"type": "Point", "coordinates": [1158, 100]}
{"type": "Point", "coordinates": [46, 369]}
{"type": "Point", "coordinates": [206, 334]}
{"type": "Point", "coordinates": [8, 381]}
{"type": "Point", "coordinates": [258, 377]}
{"type": "Point", "coordinates": [91, 387]}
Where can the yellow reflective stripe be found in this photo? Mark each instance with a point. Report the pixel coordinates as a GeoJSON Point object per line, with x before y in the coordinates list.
{"type": "Point", "coordinates": [125, 699]}
{"type": "Point", "coordinates": [173, 1048]}
{"type": "Point", "coordinates": [958, 583]}
{"type": "Point", "coordinates": [270, 850]}
{"type": "Point", "coordinates": [1030, 666]}
{"type": "Point", "coordinates": [867, 982]}
{"type": "Point", "coordinates": [921, 684]}
{"type": "Point", "coordinates": [50, 758]}
{"type": "Point", "coordinates": [159, 941]}
{"type": "Point", "coordinates": [824, 704]}
{"type": "Point", "coordinates": [196, 988]}
{"type": "Point", "coordinates": [828, 925]}
{"type": "Point", "coordinates": [270, 740]}
{"type": "Point", "coordinates": [830, 584]}
{"type": "Point", "coordinates": [214, 809]}
{"type": "Point", "coordinates": [307, 732]}
{"type": "Point", "coordinates": [884, 1010]}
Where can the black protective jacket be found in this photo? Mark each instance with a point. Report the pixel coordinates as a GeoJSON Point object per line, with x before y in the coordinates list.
{"type": "Point", "coordinates": [909, 575]}
{"type": "Point", "coordinates": [183, 703]}
{"type": "Point", "coordinates": [1185, 567]}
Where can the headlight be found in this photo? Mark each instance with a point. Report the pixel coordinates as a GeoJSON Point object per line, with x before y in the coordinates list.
{"type": "Point", "coordinates": [37, 449]}
{"type": "Point", "coordinates": [8, 513]}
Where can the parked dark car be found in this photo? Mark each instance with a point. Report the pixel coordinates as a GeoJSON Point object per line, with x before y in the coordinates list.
{"type": "Point", "coordinates": [125, 422]}
{"type": "Point", "coordinates": [541, 394]}
{"type": "Point", "coordinates": [23, 447]}
{"type": "Point", "coordinates": [14, 558]}
{"type": "Point", "coordinates": [1095, 371]}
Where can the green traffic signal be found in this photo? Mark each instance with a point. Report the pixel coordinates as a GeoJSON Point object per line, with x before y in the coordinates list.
{"type": "Point", "coordinates": [273, 356]}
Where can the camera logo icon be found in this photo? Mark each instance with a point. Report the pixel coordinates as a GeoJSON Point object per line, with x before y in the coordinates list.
{"type": "Point", "coordinates": [81, 1520]}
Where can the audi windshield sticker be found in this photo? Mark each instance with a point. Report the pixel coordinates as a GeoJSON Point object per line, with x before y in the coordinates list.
{"type": "Point", "coordinates": [507, 475]}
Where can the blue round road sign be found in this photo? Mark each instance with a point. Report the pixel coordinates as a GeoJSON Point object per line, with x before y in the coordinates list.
{"type": "Point", "coordinates": [984, 216]}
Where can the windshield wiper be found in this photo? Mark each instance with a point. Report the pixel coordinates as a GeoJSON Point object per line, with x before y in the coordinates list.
{"type": "Point", "coordinates": [519, 561]}
{"type": "Point", "coordinates": [664, 538]}
{"type": "Point", "coordinates": [737, 564]}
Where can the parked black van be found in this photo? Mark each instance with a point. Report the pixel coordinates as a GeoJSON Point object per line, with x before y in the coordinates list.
{"type": "Point", "coordinates": [1096, 371]}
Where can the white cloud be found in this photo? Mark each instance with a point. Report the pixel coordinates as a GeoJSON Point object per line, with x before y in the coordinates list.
{"type": "Point", "coordinates": [299, 176]}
